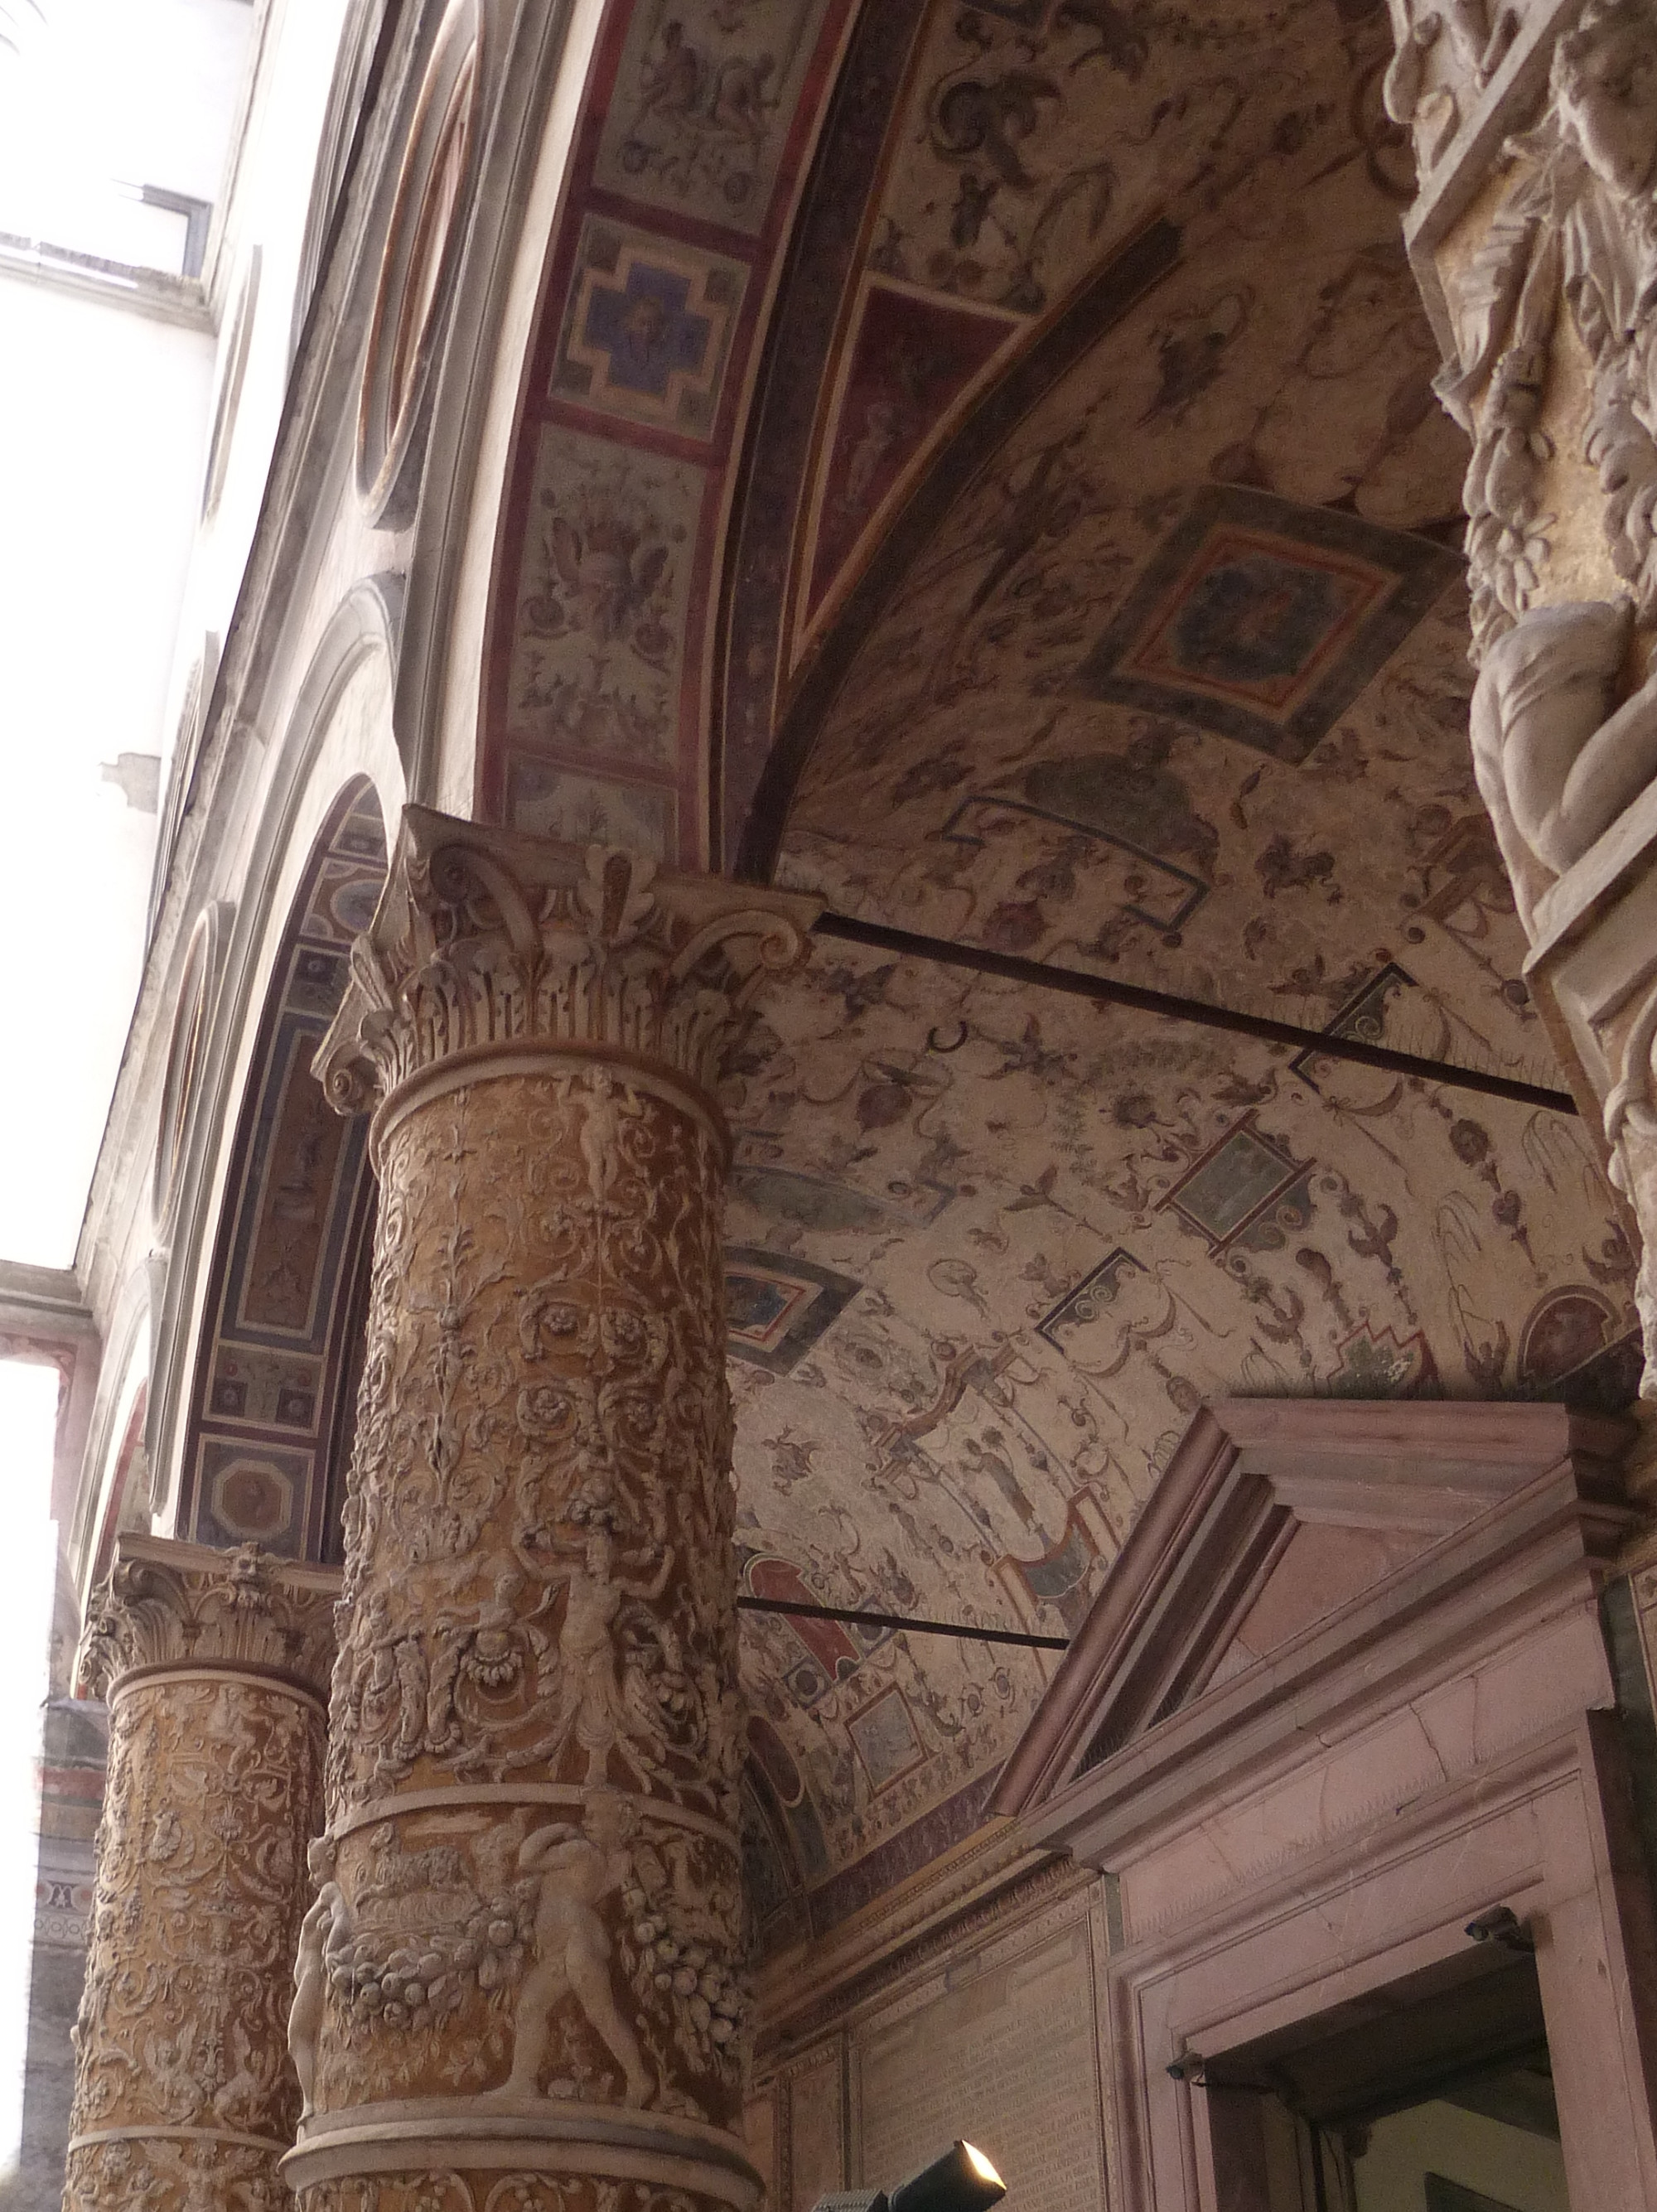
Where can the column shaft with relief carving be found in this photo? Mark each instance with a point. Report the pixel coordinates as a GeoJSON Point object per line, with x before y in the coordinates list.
{"type": "Point", "coordinates": [1534, 240]}
{"type": "Point", "coordinates": [215, 1665]}
{"type": "Point", "coordinates": [524, 1963]}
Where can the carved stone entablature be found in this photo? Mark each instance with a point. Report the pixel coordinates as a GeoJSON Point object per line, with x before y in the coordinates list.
{"type": "Point", "coordinates": [491, 947]}
{"type": "Point", "coordinates": [170, 1604]}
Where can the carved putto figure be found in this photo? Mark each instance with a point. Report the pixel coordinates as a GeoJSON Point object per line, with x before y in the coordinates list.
{"type": "Point", "coordinates": [324, 1934]}
{"type": "Point", "coordinates": [1556, 766]}
{"type": "Point", "coordinates": [593, 1691]}
{"type": "Point", "coordinates": [578, 1870]}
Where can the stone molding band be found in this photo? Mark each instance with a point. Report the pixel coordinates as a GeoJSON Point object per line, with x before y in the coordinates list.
{"type": "Point", "coordinates": [533, 1056]}
{"type": "Point", "coordinates": [571, 1794]}
{"type": "Point", "coordinates": [218, 1670]}
{"type": "Point", "coordinates": [465, 2136]}
{"type": "Point", "coordinates": [233, 2136]}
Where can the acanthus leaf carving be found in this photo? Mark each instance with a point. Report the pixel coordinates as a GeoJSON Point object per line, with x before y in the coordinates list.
{"type": "Point", "coordinates": [173, 1604]}
{"type": "Point", "coordinates": [484, 939]}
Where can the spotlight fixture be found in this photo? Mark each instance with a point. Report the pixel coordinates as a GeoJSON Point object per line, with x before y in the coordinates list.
{"type": "Point", "coordinates": [963, 2180]}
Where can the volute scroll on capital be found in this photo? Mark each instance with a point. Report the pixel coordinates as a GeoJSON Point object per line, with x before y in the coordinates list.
{"type": "Point", "coordinates": [168, 1604]}
{"type": "Point", "coordinates": [487, 943]}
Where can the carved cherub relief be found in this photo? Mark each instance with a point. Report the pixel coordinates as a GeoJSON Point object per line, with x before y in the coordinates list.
{"type": "Point", "coordinates": [1556, 766]}
{"type": "Point", "coordinates": [324, 1934]}
{"type": "Point", "coordinates": [578, 1870]}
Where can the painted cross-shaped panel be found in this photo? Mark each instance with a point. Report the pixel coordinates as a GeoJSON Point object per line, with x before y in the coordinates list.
{"type": "Point", "coordinates": [648, 329]}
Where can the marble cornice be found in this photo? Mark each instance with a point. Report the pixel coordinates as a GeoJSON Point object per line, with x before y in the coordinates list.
{"type": "Point", "coordinates": [490, 947]}
{"type": "Point", "coordinates": [170, 1605]}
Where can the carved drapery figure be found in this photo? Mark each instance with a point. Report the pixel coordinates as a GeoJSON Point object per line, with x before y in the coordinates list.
{"type": "Point", "coordinates": [1575, 232]}
{"type": "Point", "coordinates": [1545, 290]}
{"type": "Point", "coordinates": [216, 1666]}
{"type": "Point", "coordinates": [1568, 258]}
{"type": "Point", "coordinates": [521, 1973]}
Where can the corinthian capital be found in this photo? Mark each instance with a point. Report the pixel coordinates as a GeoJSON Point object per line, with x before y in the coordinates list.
{"type": "Point", "coordinates": [186, 1605]}
{"type": "Point", "coordinates": [488, 944]}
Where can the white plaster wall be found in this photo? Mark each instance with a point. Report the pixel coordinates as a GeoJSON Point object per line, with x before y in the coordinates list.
{"type": "Point", "coordinates": [102, 92]}
{"type": "Point", "coordinates": [103, 414]}
{"type": "Point", "coordinates": [266, 208]}
{"type": "Point", "coordinates": [29, 1405]}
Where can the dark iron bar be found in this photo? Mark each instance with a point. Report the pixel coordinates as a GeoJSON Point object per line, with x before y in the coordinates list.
{"type": "Point", "coordinates": [960, 1628]}
{"type": "Point", "coordinates": [910, 944]}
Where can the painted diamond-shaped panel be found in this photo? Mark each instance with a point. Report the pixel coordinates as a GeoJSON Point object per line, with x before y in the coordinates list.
{"type": "Point", "coordinates": [1262, 621]}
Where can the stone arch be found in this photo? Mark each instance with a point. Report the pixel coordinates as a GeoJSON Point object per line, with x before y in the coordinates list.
{"type": "Point", "coordinates": [270, 1368]}
{"type": "Point", "coordinates": [120, 1495]}
{"type": "Point", "coordinates": [337, 778]}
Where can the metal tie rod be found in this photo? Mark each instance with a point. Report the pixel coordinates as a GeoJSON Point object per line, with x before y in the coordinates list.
{"type": "Point", "coordinates": [1040, 975]}
{"type": "Point", "coordinates": [963, 1629]}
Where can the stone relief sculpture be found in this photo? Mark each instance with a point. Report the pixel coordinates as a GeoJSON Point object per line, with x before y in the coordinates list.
{"type": "Point", "coordinates": [531, 1896]}
{"type": "Point", "coordinates": [1477, 45]}
{"type": "Point", "coordinates": [1555, 765]}
{"type": "Point", "coordinates": [212, 1665]}
{"type": "Point", "coordinates": [323, 1933]}
{"type": "Point", "coordinates": [1576, 229]}
{"type": "Point", "coordinates": [1552, 297]}
{"type": "Point", "coordinates": [1573, 235]}
{"type": "Point", "coordinates": [598, 1696]}
{"type": "Point", "coordinates": [576, 1871]}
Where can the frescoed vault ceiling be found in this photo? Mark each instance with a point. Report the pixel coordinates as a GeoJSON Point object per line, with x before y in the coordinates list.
{"type": "Point", "coordinates": [1156, 667]}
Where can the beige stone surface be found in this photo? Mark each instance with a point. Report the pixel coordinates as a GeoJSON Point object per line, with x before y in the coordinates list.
{"type": "Point", "coordinates": [215, 1666]}
{"type": "Point", "coordinates": [527, 1945]}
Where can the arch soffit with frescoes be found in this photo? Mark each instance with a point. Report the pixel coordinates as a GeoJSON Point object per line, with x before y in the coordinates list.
{"type": "Point", "coordinates": [273, 1368]}
{"type": "Point", "coordinates": [242, 1124]}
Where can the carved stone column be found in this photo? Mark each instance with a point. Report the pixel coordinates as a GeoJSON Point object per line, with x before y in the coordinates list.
{"type": "Point", "coordinates": [1534, 239]}
{"type": "Point", "coordinates": [215, 1665]}
{"type": "Point", "coordinates": [519, 1989]}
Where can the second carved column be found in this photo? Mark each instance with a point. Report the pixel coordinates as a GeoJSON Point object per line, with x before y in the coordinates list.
{"type": "Point", "coordinates": [214, 1664]}
{"type": "Point", "coordinates": [519, 1987]}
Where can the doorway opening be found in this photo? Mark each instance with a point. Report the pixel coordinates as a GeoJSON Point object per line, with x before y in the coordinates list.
{"type": "Point", "coordinates": [1433, 2094]}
